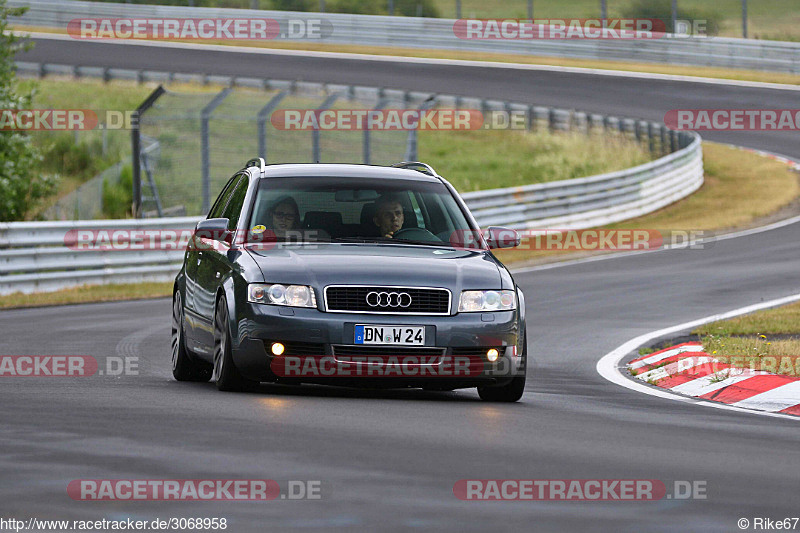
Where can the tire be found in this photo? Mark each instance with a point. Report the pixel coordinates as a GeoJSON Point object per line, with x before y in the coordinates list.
{"type": "Point", "coordinates": [184, 366]}
{"type": "Point", "coordinates": [510, 392]}
{"type": "Point", "coordinates": [225, 374]}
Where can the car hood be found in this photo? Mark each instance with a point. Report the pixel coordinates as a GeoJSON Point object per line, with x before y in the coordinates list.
{"type": "Point", "coordinates": [319, 265]}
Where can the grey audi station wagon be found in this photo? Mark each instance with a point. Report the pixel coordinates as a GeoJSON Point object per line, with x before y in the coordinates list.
{"type": "Point", "coordinates": [350, 275]}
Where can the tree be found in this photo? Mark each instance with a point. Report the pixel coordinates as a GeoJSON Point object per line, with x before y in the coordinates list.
{"type": "Point", "coordinates": [22, 185]}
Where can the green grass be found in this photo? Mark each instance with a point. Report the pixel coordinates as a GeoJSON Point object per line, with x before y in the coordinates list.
{"type": "Point", "coordinates": [88, 293]}
{"type": "Point", "coordinates": [782, 320]}
{"type": "Point", "coordinates": [87, 93]}
{"type": "Point", "coordinates": [746, 341]}
{"type": "Point", "coordinates": [756, 352]}
{"type": "Point", "coordinates": [477, 160]}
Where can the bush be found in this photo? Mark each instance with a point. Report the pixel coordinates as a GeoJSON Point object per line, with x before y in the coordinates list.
{"type": "Point", "coordinates": [21, 188]}
{"type": "Point", "coordinates": [64, 156]}
{"type": "Point", "coordinates": [409, 8]}
{"type": "Point", "coordinates": [118, 197]}
{"type": "Point", "coordinates": [662, 9]}
{"type": "Point", "coordinates": [416, 8]}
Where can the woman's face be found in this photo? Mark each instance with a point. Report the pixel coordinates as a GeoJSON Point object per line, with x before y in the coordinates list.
{"type": "Point", "coordinates": [284, 219]}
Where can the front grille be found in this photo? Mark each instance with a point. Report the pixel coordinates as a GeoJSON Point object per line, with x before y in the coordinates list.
{"type": "Point", "coordinates": [353, 299]}
{"type": "Point", "coordinates": [297, 348]}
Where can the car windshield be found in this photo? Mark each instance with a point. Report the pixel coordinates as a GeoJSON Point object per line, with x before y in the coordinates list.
{"type": "Point", "coordinates": [337, 209]}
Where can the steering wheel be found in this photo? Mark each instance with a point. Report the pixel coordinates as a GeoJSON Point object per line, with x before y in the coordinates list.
{"type": "Point", "coordinates": [416, 234]}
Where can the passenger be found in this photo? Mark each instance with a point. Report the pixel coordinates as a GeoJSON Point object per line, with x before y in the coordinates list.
{"type": "Point", "coordinates": [389, 216]}
{"type": "Point", "coordinates": [284, 217]}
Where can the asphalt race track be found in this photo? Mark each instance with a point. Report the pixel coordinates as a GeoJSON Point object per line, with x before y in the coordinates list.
{"type": "Point", "coordinates": [388, 460]}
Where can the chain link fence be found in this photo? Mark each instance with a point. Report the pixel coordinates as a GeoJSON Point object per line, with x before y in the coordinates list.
{"type": "Point", "coordinates": [190, 143]}
{"type": "Point", "coordinates": [203, 138]}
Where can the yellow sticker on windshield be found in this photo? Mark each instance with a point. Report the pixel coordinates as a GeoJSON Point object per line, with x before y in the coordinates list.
{"type": "Point", "coordinates": [259, 229]}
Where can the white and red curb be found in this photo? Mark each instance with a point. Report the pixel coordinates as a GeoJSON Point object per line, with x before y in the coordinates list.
{"type": "Point", "coordinates": [685, 369]}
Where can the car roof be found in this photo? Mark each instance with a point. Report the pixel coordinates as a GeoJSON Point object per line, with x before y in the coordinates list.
{"type": "Point", "coordinates": [345, 171]}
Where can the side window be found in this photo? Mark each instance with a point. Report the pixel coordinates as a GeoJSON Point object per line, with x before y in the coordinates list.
{"type": "Point", "coordinates": [222, 199]}
{"type": "Point", "coordinates": [417, 210]}
{"type": "Point", "coordinates": [234, 207]}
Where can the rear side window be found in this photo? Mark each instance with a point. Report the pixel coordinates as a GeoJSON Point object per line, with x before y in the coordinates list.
{"type": "Point", "coordinates": [234, 208]}
{"type": "Point", "coordinates": [222, 199]}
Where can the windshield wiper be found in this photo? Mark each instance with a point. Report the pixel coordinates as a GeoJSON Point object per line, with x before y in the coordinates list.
{"type": "Point", "coordinates": [360, 239]}
{"type": "Point", "coordinates": [368, 240]}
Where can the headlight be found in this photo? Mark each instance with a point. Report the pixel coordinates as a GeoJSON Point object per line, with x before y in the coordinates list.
{"type": "Point", "coordinates": [277, 294]}
{"type": "Point", "coordinates": [475, 301]}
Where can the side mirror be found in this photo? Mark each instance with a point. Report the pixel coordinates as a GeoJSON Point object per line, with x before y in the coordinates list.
{"type": "Point", "coordinates": [215, 229]}
{"type": "Point", "coordinates": [498, 237]}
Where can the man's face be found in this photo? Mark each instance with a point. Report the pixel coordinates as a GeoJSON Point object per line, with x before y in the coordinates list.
{"type": "Point", "coordinates": [389, 218]}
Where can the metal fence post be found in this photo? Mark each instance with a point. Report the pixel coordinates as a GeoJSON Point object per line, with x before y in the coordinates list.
{"type": "Point", "coordinates": [205, 115]}
{"type": "Point", "coordinates": [411, 146]}
{"type": "Point", "coordinates": [367, 142]}
{"type": "Point", "coordinates": [262, 121]}
{"type": "Point", "coordinates": [315, 133]}
{"type": "Point", "coordinates": [136, 141]}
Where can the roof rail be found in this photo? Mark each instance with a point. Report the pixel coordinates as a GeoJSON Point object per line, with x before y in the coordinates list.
{"type": "Point", "coordinates": [418, 166]}
{"type": "Point", "coordinates": [257, 162]}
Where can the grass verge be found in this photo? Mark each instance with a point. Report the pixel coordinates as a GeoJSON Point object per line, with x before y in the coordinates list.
{"type": "Point", "coordinates": [627, 66]}
{"type": "Point", "coordinates": [779, 321]}
{"type": "Point", "coordinates": [741, 189]}
{"type": "Point", "coordinates": [87, 294]}
{"type": "Point", "coordinates": [490, 159]}
{"type": "Point", "coordinates": [767, 340]}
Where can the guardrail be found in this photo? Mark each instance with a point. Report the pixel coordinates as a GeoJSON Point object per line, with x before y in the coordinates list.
{"type": "Point", "coordinates": [46, 256]}
{"type": "Point", "coordinates": [412, 32]}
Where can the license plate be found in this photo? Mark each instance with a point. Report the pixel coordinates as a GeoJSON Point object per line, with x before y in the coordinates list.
{"type": "Point", "coordinates": [396, 335]}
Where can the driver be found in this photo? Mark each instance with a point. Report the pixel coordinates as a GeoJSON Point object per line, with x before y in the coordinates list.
{"type": "Point", "coordinates": [389, 216]}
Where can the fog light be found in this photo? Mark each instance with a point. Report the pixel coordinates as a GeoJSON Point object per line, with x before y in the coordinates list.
{"type": "Point", "coordinates": [277, 348]}
{"type": "Point", "coordinates": [492, 355]}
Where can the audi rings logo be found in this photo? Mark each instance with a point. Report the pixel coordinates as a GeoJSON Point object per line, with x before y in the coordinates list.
{"type": "Point", "coordinates": [388, 299]}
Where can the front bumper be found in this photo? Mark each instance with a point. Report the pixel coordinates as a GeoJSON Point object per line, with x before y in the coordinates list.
{"type": "Point", "coordinates": [457, 338]}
